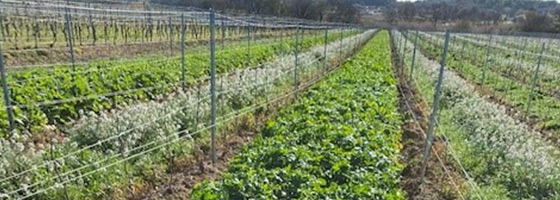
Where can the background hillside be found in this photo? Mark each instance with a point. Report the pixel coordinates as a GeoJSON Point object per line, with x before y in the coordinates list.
{"type": "Point", "coordinates": [461, 15]}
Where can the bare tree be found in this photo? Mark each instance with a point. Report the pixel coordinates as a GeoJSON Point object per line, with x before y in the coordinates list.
{"type": "Point", "coordinates": [536, 22]}
{"type": "Point", "coordinates": [390, 15]}
{"type": "Point", "coordinates": [343, 11]}
{"type": "Point", "coordinates": [437, 12]}
{"type": "Point", "coordinates": [302, 9]}
{"type": "Point", "coordinates": [407, 11]}
{"type": "Point", "coordinates": [556, 16]}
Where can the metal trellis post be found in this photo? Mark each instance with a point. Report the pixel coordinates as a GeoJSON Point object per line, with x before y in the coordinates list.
{"type": "Point", "coordinates": [431, 124]}
{"type": "Point", "coordinates": [340, 46]}
{"type": "Point", "coordinates": [170, 36]}
{"type": "Point", "coordinates": [36, 30]}
{"type": "Point", "coordinates": [296, 84]}
{"type": "Point", "coordinates": [6, 90]}
{"type": "Point", "coordinates": [486, 59]}
{"type": "Point", "coordinates": [413, 56]}
{"type": "Point", "coordinates": [534, 82]}
{"type": "Point", "coordinates": [70, 41]}
{"type": "Point", "coordinates": [223, 33]}
{"type": "Point", "coordinates": [213, 84]}
{"type": "Point", "coordinates": [183, 73]}
{"type": "Point", "coordinates": [398, 42]}
{"type": "Point", "coordinates": [325, 50]}
{"type": "Point", "coordinates": [404, 51]}
{"type": "Point", "coordinates": [248, 45]}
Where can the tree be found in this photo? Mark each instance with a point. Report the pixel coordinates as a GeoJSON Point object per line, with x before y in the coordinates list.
{"type": "Point", "coordinates": [536, 22]}
{"type": "Point", "coordinates": [556, 16]}
{"type": "Point", "coordinates": [343, 11]}
{"type": "Point", "coordinates": [334, 10]}
{"type": "Point", "coordinates": [407, 11]}
{"type": "Point", "coordinates": [305, 9]}
{"type": "Point", "coordinates": [386, 3]}
{"type": "Point", "coordinates": [322, 7]}
{"type": "Point", "coordinates": [437, 12]}
{"type": "Point", "coordinates": [468, 13]}
{"type": "Point", "coordinates": [390, 15]}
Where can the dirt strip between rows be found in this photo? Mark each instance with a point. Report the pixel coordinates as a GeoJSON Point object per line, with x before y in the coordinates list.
{"type": "Point", "coordinates": [442, 180]}
{"type": "Point", "coordinates": [489, 95]}
{"type": "Point", "coordinates": [190, 170]}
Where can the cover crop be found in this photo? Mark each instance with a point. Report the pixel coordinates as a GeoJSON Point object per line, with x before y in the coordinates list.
{"type": "Point", "coordinates": [512, 91]}
{"type": "Point", "coordinates": [129, 80]}
{"type": "Point", "coordinates": [341, 141]}
{"type": "Point", "coordinates": [504, 159]}
{"type": "Point", "coordinates": [105, 151]}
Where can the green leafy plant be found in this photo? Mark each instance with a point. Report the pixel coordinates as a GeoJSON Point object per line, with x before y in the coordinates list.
{"type": "Point", "coordinates": [340, 141]}
{"type": "Point", "coordinates": [109, 150]}
{"type": "Point", "coordinates": [127, 82]}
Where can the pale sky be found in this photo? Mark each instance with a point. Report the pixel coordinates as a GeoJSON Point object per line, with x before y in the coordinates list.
{"type": "Point", "coordinates": [417, 0]}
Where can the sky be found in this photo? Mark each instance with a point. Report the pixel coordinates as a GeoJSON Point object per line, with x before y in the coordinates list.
{"type": "Point", "coordinates": [416, 0]}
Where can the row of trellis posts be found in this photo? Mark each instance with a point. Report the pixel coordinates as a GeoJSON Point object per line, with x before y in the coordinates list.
{"type": "Point", "coordinates": [438, 89]}
{"type": "Point", "coordinates": [433, 115]}
{"type": "Point", "coordinates": [212, 72]}
{"type": "Point", "coordinates": [34, 29]}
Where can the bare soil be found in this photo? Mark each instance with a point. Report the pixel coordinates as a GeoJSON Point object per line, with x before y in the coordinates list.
{"type": "Point", "coordinates": [489, 95]}
{"type": "Point", "coordinates": [39, 57]}
{"type": "Point", "coordinates": [190, 170]}
{"type": "Point", "coordinates": [193, 169]}
{"type": "Point", "coordinates": [442, 179]}
{"type": "Point", "coordinates": [199, 167]}
{"type": "Point", "coordinates": [532, 121]}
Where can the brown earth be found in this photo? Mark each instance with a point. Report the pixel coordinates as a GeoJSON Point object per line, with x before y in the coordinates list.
{"type": "Point", "coordinates": [15, 60]}
{"type": "Point", "coordinates": [442, 180]}
{"type": "Point", "coordinates": [190, 170]}
{"type": "Point", "coordinates": [490, 95]}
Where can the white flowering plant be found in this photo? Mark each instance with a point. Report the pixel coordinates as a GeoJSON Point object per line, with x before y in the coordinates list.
{"type": "Point", "coordinates": [505, 158]}
{"type": "Point", "coordinates": [112, 148]}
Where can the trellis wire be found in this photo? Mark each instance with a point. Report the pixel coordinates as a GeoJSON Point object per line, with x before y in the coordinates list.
{"type": "Point", "coordinates": [417, 124]}
{"type": "Point", "coordinates": [236, 114]}
{"type": "Point", "coordinates": [97, 96]}
{"type": "Point", "coordinates": [469, 178]}
{"type": "Point", "coordinates": [174, 32]}
{"type": "Point", "coordinates": [433, 114]}
{"type": "Point", "coordinates": [120, 134]}
{"type": "Point", "coordinates": [452, 152]}
{"type": "Point", "coordinates": [114, 137]}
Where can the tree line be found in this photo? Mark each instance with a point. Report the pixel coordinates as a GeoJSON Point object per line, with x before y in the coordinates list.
{"type": "Point", "coordinates": [319, 10]}
{"type": "Point", "coordinates": [523, 15]}
{"type": "Point", "coordinates": [513, 15]}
